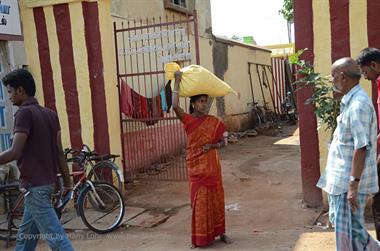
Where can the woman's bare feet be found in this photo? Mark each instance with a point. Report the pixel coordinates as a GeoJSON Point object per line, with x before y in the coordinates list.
{"type": "Point", "coordinates": [225, 239]}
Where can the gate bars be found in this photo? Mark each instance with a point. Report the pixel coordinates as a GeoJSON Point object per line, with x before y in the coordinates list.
{"type": "Point", "coordinates": [153, 140]}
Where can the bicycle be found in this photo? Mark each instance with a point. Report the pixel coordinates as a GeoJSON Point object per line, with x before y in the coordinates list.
{"type": "Point", "coordinates": [101, 167]}
{"type": "Point", "coordinates": [95, 202]}
{"type": "Point", "coordinates": [270, 116]}
{"type": "Point", "coordinates": [14, 204]}
{"type": "Point", "coordinates": [257, 113]}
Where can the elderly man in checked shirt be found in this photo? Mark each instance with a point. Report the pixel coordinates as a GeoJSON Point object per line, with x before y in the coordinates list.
{"type": "Point", "coordinates": [351, 175]}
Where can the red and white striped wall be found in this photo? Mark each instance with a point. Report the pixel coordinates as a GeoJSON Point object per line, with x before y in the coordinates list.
{"type": "Point", "coordinates": [278, 83]}
{"type": "Point", "coordinates": [329, 29]}
{"type": "Point", "coordinates": [70, 52]}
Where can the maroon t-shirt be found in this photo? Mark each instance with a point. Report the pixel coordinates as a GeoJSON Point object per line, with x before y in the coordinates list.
{"type": "Point", "coordinates": [38, 163]}
{"type": "Point", "coordinates": [378, 112]}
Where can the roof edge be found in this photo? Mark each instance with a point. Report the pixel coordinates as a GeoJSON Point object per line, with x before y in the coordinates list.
{"type": "Point", "coordinates": [234, 42]}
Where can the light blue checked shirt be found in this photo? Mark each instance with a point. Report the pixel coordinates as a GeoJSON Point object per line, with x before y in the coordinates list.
{"type": "Point", "coordinates": [357, 128]}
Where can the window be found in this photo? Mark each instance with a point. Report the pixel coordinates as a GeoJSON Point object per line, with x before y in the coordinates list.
{"type": "Point", "coordinates": [181, 3]}
{"type": "Point", "coordinates": [2, 98]}
{"type": "Point", "coordinates": [178, 5]}
{"type": "Point", "coordinates": [5, 139]}
{"type": "Point", "coordinates": [2, 117]}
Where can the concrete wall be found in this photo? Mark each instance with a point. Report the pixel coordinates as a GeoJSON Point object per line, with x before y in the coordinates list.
{"type": "Point", "coordinates": [146, 144]}
{"type": "Point", "coordinates": [231, 64]}
{"type": "Point", "coordinates": [53, 61]}
{"type": "Point", "coordinates": [228, 60]}
{"type": "Point", "coordinates": [323, 51]}
{"type": "Point", "coordinates": [89, 112]}
{"type": "Point", "coordinates": [12, 56]}
{"type": "Point", "coordinates": [143, 9]}
{"type": "Point", "coordinates": [330, 30]}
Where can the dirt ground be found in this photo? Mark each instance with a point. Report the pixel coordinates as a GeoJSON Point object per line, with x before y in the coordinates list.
{"type": "Point", "coordinates": [264, 209]}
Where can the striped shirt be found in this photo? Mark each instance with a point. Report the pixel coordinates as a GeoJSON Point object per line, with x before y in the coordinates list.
{"type": "Point", "coordinates": [356, 128]}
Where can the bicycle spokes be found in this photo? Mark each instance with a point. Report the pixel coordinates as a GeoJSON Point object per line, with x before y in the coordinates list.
{"type": "Point", "coordinates": [101, 207]}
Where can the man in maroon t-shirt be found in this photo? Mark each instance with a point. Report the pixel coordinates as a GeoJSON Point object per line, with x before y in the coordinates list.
{"type": "Point", "coordinates": [37, 148]}
{"type": "Point", "coordinates": [369, 62]}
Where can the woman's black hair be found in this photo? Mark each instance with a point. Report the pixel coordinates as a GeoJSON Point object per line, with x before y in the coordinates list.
{"type": "Point", "coordinates": [194, 99]}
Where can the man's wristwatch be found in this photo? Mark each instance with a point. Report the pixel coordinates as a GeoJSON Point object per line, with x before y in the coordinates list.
{"type": "Point", "coordinates": [354, 179]}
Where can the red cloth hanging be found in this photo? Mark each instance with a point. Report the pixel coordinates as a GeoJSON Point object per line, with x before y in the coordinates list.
{"type": "Point", "coordinates": [136, 104]}
{"type": "Point", "coordinates": [144, 107]}
{"type": "Point", "coordinates": [126, 99]}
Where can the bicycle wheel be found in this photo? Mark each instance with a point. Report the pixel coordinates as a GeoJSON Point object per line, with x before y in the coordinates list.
{"type": "Point", "coordinates": [106, 171]}
{"type": "Point", "coordinates": [261, 114]}
{"type": "Point", "coordinates": [101, 207]}
{"type": "Point", "coordinates": [15, 206]}
{"type": "Point", "coordinates": [17, 210]}
{"type": "Point", "coordinates": [255, 118]}
{"type": "Point", "coordinates": [270, 116]}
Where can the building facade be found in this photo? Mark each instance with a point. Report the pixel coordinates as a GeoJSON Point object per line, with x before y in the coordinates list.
{"type": "Point", "coordinates": [82, 62]}
{"type": "Point", "coordinates": [330, 30]}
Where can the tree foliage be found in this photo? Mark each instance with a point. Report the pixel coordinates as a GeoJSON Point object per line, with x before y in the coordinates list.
{"type": "Point", "coordinates": [287, 11]}
{"type": "Point", "coordinates": [326, 106]}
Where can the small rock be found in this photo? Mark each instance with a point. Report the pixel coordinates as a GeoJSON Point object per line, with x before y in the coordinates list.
{"type": "Point", "coordinates": [232, 140]}
{"type": "Point", "coordinates": [245, 179]}
{"type": "Point", "coordinates": [232, 207]}
{"type": "Point", "coordinates": [167, 210]}
{"type": "Point", "coordinates": [274, 182]}
{"type": "Point", "coordinates": [252, 133]}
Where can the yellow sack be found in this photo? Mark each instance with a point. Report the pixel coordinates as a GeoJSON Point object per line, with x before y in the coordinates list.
{"type": "Point", "coordinates": [197, 80]}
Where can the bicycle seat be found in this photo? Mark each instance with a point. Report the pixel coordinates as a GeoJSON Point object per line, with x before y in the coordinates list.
{"type": "Point", "coordinates": [104, 157]}
{"type": "Point", "coordinates": [14, 186]}
{"type": "Point", "coordinates": [76, 159]}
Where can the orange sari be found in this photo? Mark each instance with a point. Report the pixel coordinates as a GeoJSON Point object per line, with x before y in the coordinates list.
{"type": "Point", "coordinates": [206, 190]}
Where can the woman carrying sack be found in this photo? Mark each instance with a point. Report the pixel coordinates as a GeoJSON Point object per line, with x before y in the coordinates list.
{"type": "Point", "coordinates": [204, 138]}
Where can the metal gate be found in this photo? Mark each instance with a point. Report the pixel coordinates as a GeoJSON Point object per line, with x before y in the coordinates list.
{"type": "Point", "coordinates": [279, 73]}
{"type": "Point", "coordinates": [153, 140]}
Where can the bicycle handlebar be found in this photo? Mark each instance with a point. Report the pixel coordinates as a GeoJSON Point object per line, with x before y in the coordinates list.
{"type": "Point", "coordinates": [68, 151]}
{"type": "Point", "coordinates": [86, 153]}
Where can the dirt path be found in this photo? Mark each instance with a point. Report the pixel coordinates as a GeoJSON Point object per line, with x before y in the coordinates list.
{"type": "Point", "coordinates": [263, 193]}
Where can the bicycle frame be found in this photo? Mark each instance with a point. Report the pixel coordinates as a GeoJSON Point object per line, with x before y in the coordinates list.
{"type": "Point", "coordinates": [85, 162]}
{"type": "Point", "coordinates": [19, 200]}
{"type": "Point", "coordinates": [97, 197]}
{"type": "Point", "coordinates": [82, 179]}
{"type": "Point", "coordinates": [11, 215]}
{"type": "Point", "coordinates": [77, 189]}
